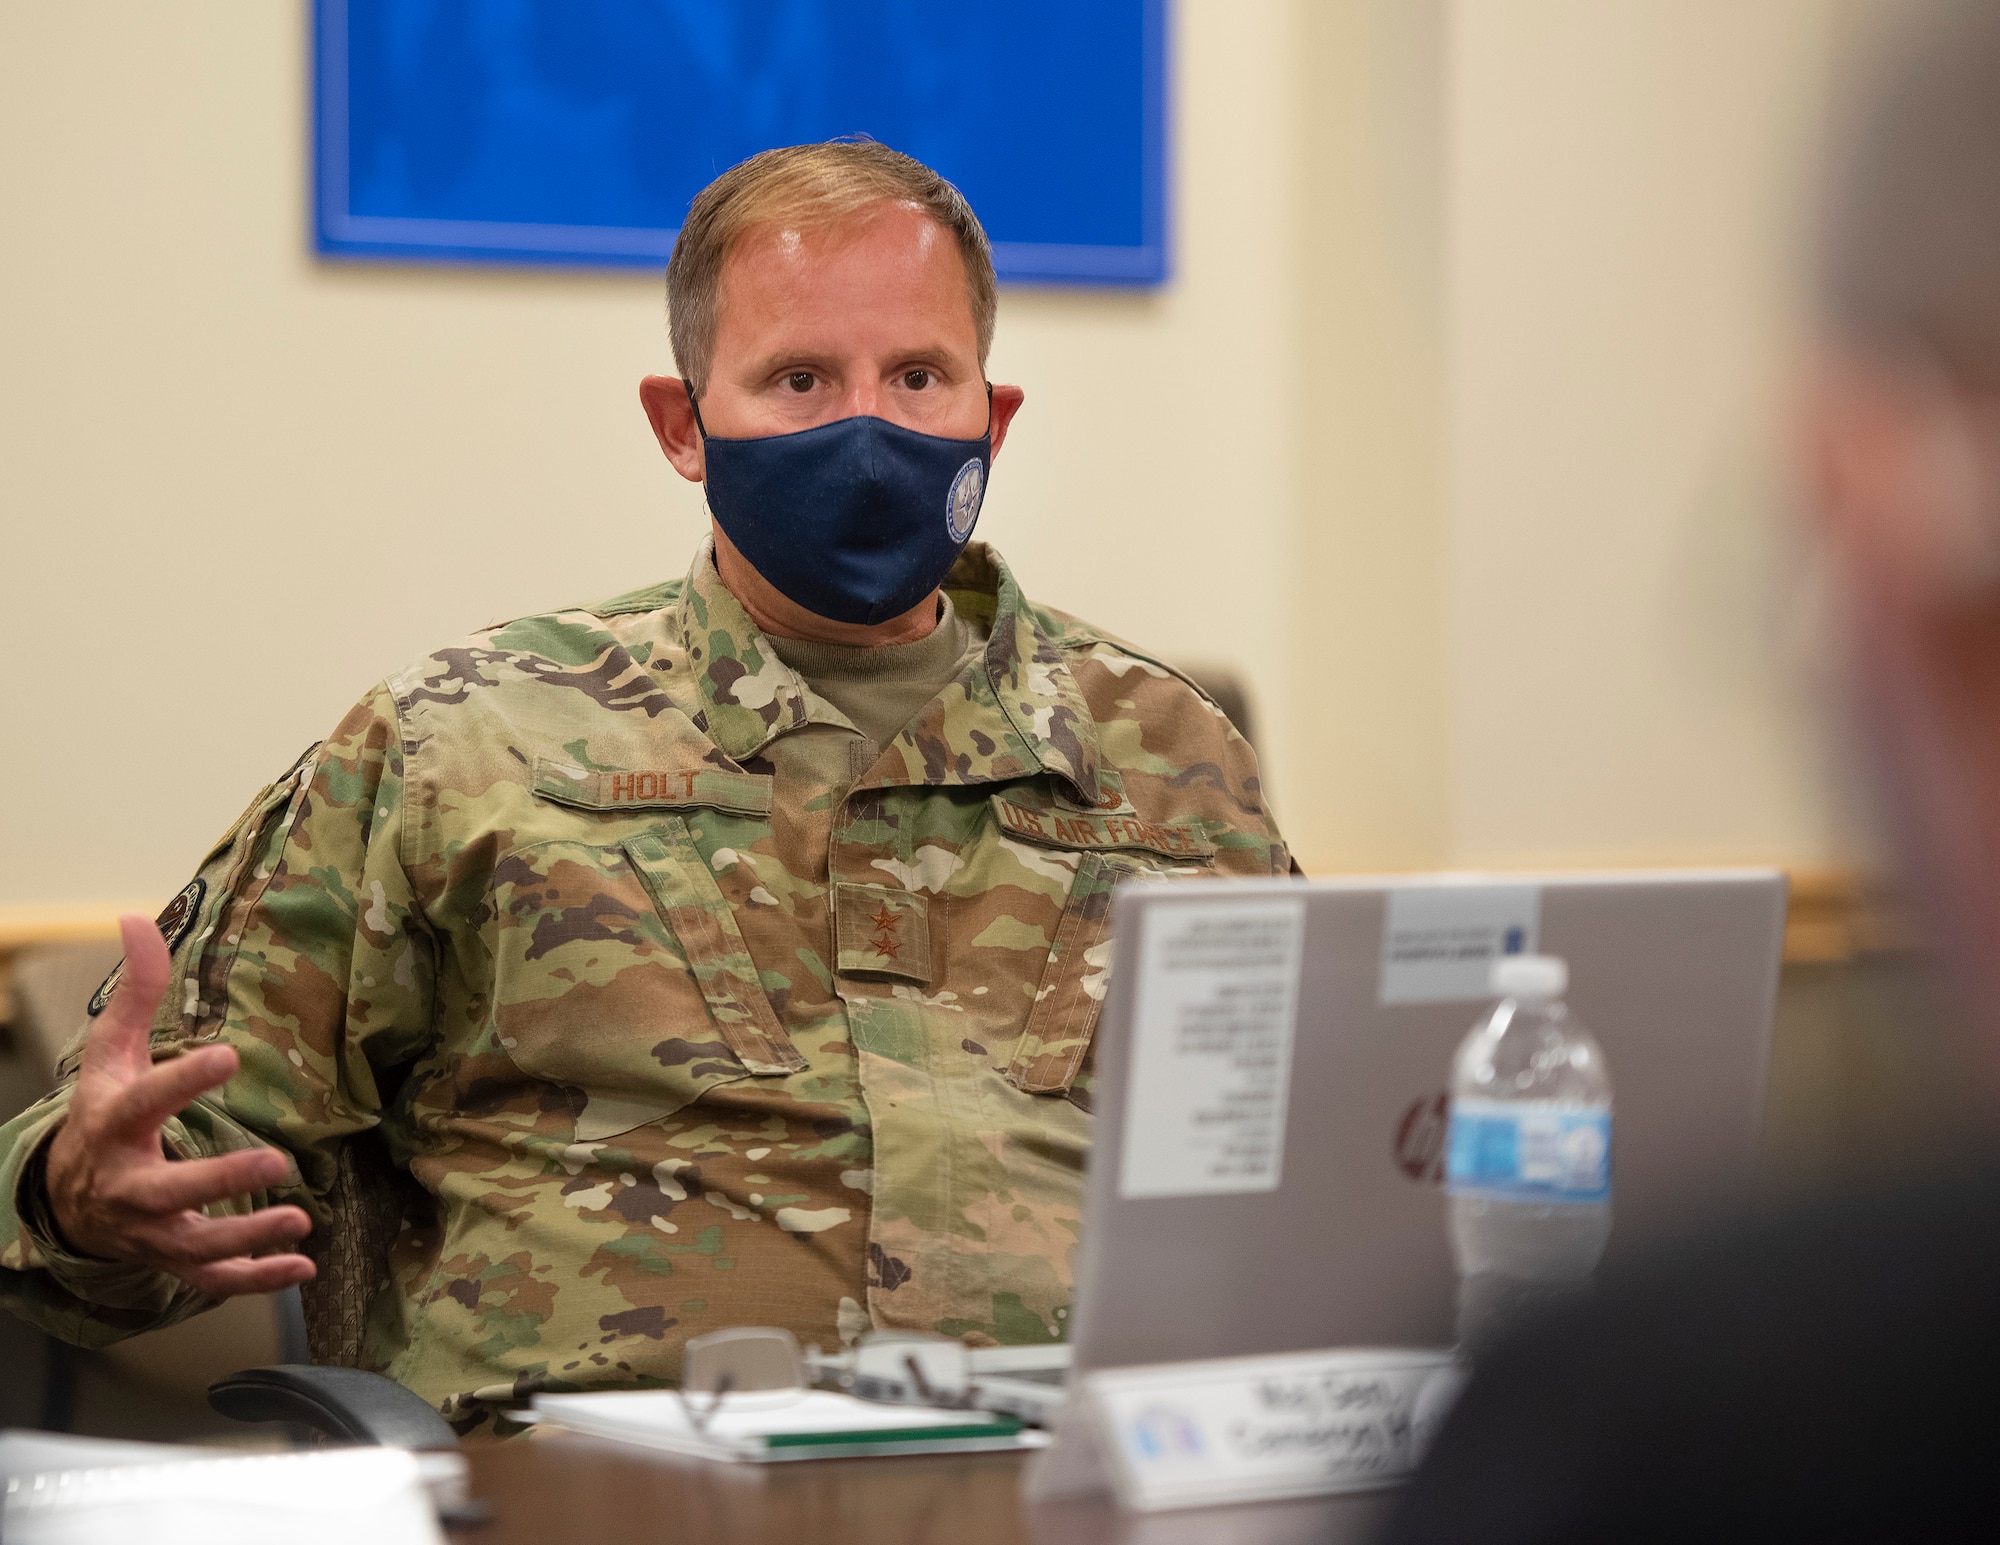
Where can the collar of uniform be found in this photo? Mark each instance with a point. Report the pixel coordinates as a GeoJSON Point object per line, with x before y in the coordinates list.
{"type": "Point", "coordinates": [1030, 716]}
{"type": "Point", "coordinates": [1018, 709]}
{"type": "Point", "coordinates": [749, 696]}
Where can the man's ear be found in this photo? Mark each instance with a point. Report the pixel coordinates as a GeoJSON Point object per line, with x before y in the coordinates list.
{"type": "Point", "coordinates": [1007, 402]}
{"type": "Point", "coordinates": [671, 414]}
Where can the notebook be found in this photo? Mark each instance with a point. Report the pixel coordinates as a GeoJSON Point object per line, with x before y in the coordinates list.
{"type": "Point", "coordinates": [766, 1427]}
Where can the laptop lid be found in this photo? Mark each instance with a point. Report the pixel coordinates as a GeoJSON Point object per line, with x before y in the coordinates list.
{"type": "Point", "coordinates": [1272, 1066]}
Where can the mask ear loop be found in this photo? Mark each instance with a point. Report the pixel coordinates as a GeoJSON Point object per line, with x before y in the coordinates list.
{"type": "Point", "coordinates": [987, 433]}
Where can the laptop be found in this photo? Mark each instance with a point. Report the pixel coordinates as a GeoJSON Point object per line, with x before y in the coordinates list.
{"type": "Point", "coordinates": [1273, 1059]}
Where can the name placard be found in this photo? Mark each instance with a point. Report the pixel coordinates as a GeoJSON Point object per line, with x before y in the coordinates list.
{"type": "Point", "coordinates": [1255, 1428]}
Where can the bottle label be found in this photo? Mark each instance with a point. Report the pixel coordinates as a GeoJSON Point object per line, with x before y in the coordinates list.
{"type": "Point", "coordinates": [1529, 1151]}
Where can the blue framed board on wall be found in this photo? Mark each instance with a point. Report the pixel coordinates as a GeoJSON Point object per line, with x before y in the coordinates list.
{"type": "Point", "coordinates": [577, 131]}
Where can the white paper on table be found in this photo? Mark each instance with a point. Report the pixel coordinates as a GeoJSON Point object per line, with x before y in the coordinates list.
{"type": "Point", "coordinates": [738, 1430]}
{"type": "Point", "coordinates": [442, 1471]}
{"type": "Point", "coordinates": [42, 1453]}
{"type": "Point", "coordinates": [332, 1497]}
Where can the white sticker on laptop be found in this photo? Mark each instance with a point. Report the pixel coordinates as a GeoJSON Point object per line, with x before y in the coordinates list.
{"type": "Point", "coordinates": [1213, 1016]}
{"type": "Point", "coordinates": [1439, 941]}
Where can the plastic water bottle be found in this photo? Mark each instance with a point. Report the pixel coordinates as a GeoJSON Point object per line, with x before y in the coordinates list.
{"type": "Point", "coordinates": [1528, 1153]}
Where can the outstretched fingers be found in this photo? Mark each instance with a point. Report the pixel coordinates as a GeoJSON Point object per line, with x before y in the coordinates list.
{"type": "Point", "coordinates": [166, 1089]}
{"type": "Point", "coordinates": [264, 1274]}
{"type": "Point", "coordinates": [184, 1183]}
{"type": "Point", "coordinates": [191, 1240]}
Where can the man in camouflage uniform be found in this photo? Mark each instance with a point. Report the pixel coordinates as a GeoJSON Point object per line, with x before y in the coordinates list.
{"type": "Point", "coordinates": [685, 999]}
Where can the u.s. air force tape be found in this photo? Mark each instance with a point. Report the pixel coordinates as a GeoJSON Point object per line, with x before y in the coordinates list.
{"type": "Point", "coordinates": [174, 924]}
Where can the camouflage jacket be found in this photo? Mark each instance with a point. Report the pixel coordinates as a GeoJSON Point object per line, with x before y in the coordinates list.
{"type": "Point", "coordinates": [682, 1007]}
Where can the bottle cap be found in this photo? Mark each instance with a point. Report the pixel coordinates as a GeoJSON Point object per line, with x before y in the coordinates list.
{"type": "Point", "coordinates": [1530, 976]}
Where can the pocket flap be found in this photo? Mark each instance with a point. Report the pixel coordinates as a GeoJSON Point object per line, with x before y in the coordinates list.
{"type": "Point", "coordinates": [1058, 1033]}
{"type": "Point", "coordinates": [685, 893]}
{"type": "Point", "coordinates": [593, 993]}
{"type": "Point", "coordinates": [654, 788]}
{"type": "Point", "coordinates": [1033, 818]}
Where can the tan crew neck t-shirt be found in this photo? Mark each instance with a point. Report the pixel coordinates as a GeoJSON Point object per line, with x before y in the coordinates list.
{"type": "Point", "coordinates": [881, 687]}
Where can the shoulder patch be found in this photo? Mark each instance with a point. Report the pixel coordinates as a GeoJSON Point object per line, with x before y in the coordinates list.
{"type": "Point", "coordinates": [102, 997]}
{"type": "Point", "coordinates": [179, 918]}
{"type": "Point", "coordinates": [174, 924]}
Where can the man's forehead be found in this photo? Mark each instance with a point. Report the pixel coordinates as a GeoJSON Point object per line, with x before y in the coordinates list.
{"type": "Point", "coordinates": [820, 248]}
{"type": "Point", "coordinates": [887, 263]}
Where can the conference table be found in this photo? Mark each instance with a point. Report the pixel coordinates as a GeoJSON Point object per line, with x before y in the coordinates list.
{"type": "Point", "coordinates": [563, 1489]}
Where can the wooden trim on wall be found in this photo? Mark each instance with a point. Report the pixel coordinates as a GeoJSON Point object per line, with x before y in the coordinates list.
{"type": "Point", "coordinates": [1839, 914]}
{"type": "Point", "coordinates": [76, 923]}
{"type": "Point", "coordinates": [23, 926]}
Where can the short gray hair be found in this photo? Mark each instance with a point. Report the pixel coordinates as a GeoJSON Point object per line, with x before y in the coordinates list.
{"type": "Point", "coordinates": [812, 185]}
{"type": "Point", "coordinates": [1909, 253]}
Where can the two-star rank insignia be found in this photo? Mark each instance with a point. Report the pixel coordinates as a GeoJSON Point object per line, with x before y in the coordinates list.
{"type": "Point", "coordinates": [886, 944]}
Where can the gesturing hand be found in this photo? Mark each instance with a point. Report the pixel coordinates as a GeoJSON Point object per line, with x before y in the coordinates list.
{"type": "Point", "coordinates": [117, 1195]}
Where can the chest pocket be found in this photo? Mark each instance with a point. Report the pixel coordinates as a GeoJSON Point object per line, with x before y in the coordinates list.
{"type": "Point", "coordinates": [1070, 996]}
{"type": "Point", "coordinates": [685, 892]}
{"type": "Point", "coordinates": [620, 971]}
{"type": "Point", "coordinates": [1111, 846]}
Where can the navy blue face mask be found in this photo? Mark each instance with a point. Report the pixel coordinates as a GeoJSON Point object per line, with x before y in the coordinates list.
{"type": "Point", "coordinates": [857, 520]}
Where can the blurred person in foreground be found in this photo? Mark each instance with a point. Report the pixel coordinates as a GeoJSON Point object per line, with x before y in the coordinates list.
{"type": "Point", "coordinates": [724, 953]}
{"type": "Point", "coordinates": [1830, 1372]}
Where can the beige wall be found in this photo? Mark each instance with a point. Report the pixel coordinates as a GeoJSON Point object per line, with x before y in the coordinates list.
{"type": "Point", "coordinates": [1373, 756]}
{"type": "Point", "coordinates": [239, 484]}
{"type": "Point", "coordinates": [1547, 600]}
{"type": "Point", "coordinates": [1455, 430]}
{"type": "Point", "coordinates": [1621, 207]}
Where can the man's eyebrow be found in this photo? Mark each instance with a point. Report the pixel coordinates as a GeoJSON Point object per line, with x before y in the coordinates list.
{"type": "Point", "coordinates": [788, 359]}
{"type": "Point", "coordinates": [781, 360]}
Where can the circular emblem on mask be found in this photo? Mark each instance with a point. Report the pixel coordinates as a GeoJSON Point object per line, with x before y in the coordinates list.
{"type": "Point", "coordinates": [961, 505]}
